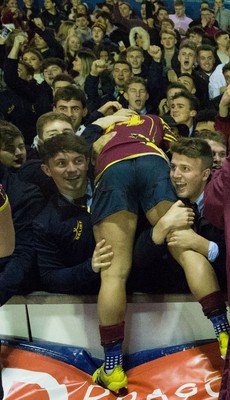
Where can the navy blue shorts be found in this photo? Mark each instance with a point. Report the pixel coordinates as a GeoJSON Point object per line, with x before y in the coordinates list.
{"type": "Point", "coordinates": [126, 185]}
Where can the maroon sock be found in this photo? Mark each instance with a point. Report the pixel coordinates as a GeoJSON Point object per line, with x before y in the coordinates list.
{"type": "Point", "coordinates": [112, 333]}
{"type": "Point", "coordinates": [213, 304]}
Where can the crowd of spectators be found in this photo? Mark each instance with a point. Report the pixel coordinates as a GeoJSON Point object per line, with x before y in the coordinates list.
{"type": "Point", "coordinates": [68, 74]}
{"type": "Point", "coordinates": [89, 64]}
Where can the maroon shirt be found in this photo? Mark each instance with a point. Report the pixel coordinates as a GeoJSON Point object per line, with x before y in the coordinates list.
{"type": "Point", "coordinates": [217, 211]}
{"type": "Point", "coordinates": [139, 136]}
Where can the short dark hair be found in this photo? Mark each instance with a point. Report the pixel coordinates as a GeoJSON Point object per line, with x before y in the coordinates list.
{"type": "Point", "coordinates": [70, 93]}
{"type": "Point", "coordinates": [205, 47]}
{"type": "Point", "coordinates": [206, 2]}
{"type": "Point", "coordinates": [53, 61]}
{"type": "Point", "coordinates": [127, 4]}
{"type": "Point", "coordinates": [63, 143]}
{"type": "Point", "coordinates": [8, 133]}
{"type": "Point", "coordinates": [188, 76]}
{"type": "Point", "coordinates": [194, 148]}
{"type": "Point", "coordinates": [34, 51]}
{"type": "Point", "coordinates": [134, 48]}
{"type": "Point", "coordinates": [122, 61]}
{"type": "Point", "coordinates": [49, 117]}
{"type": "Point", "coordinates": [216, 136]}
{"type": "Point", "coordinates": [193, 100]}
{"type": "Point", "coordinates": [64, 77]}
{"type": "Point", "coordinates": [104, 15]}
{"type": "Point", "coordinates": [168, 20]}
{"type": "Point", "coordinates": [220, 33]}
{"type": "Point", "coordinates": [168, 32]}
{"type": "Point", "coordinates": [161, 8]}
{"type": "Point", "coordinates": [186, 43]}
{"type": "Point", "coordinates": [178, 3]}
{"type": "Point", "coordinates": [79, 15]}
{"type": "Point", "coordinates": [176, 85]}
{"type": "Point", "coordinates": [196, 29]}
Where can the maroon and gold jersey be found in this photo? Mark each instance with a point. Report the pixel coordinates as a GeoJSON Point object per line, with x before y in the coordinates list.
{"type": "Point", "coordinates": [140, 135]}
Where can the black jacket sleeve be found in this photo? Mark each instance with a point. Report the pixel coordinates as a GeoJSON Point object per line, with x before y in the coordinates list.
{"type": "Point", "coordinates": [26, 201]}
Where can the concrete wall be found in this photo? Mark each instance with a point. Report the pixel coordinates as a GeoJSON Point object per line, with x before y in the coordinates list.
{"type": "Point", "coordinates": [148, 326]}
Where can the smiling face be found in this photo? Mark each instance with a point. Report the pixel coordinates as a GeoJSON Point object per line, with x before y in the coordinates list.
{"type": "Point", "coordinates": [135, 59]}
{"type": "Point", "coordinates": [206, 60]}
{"type": "Point", "coordinates": [121, 73]}
{"type": "Point", "coordinates": [72, 109]}
{"type": "Point", "coordinates": [188, 176]}
{"type": "Point", "coordinates": [181, 111]}
{"type": "Point", "coordinates": [50, 72]}
{"type": "Point", "coordinates": [137, 96]}
{"type": "Point", "coordinates": [69, 172]}
{"type": "Point", "coordinates": [74, 43]}
{"type": "Point", "coordinates": [57, 127]}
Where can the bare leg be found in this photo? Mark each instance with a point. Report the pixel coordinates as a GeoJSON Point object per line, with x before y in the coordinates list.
{"type": "Point", "coordinates": [199, 273]}
{"type": "Point", "coordinates": [155, 213]}
{"type": "Point", "coordinates": [118, 230]}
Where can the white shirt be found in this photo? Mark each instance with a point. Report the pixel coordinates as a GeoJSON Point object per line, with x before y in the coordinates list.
{"type": "Point", "coordinates": [216, 81]}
